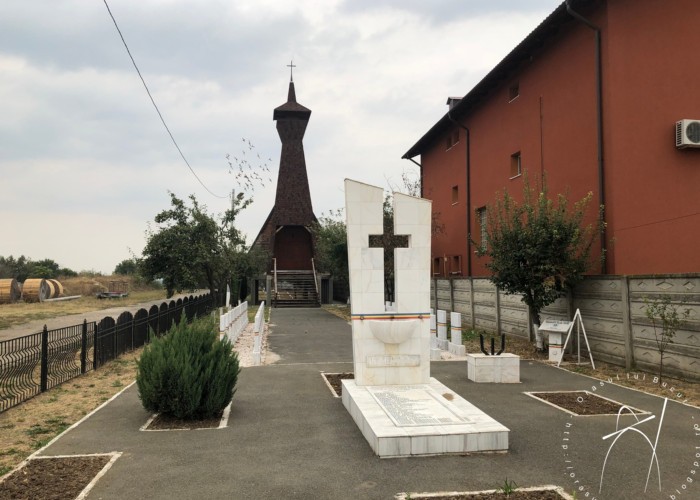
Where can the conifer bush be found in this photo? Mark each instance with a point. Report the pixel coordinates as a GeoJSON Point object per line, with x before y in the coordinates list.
{"type": "Point", "coordinates": [188, 373]}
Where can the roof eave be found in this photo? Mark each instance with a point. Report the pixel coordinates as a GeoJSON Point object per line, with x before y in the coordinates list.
{"type": "Point", "coordinates": [546, 29]}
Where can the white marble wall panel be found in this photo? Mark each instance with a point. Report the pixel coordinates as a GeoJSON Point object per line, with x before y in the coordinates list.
{"type": "Point", "coordinates": [412, 217]}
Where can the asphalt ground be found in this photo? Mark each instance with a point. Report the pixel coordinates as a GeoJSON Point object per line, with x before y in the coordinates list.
{"type": "Point", "coordinates": [37, 326]}
{"type": "Point", "coordinates": [288, 437]}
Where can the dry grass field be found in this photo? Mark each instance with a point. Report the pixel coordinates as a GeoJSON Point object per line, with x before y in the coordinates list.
{"type": "Point", "coordinates": [87, 287]}
{"type": "Point", "coordinates": [30, 425]}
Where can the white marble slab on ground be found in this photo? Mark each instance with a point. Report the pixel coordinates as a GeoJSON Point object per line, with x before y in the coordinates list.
{"type": "Point", "coordinates": [392, 420]}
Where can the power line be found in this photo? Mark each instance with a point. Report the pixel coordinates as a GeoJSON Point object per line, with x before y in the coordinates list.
{"type": "Point", "coordinates": [155, 106]}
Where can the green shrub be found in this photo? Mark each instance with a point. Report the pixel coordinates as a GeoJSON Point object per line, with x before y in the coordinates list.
{"type": "Point", "coordinates": [189, 373]}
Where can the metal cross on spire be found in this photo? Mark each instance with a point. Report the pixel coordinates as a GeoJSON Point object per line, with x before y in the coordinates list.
{"type": "Point", "coordinates": [291, 67]}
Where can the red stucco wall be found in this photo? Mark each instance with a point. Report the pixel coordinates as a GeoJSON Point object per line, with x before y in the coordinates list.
{"type": "Point", "coordinates": [652, 190]}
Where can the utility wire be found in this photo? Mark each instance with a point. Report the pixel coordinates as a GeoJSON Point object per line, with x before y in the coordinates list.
{"type": "Point", "coordinates": [155, 106]}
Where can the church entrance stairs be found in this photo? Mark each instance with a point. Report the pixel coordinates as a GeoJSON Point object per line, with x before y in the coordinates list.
{"type": "Point", "coordinates": [296, 289]}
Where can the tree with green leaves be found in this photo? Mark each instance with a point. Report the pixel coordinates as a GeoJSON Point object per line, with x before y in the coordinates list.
{"type": "Point", "coordinates": [538, 248]}
{"type": "Point", "coordinates": [192, 248]}
{"type": "Point", "coordinates": [331, 242]}
{"type": "Point", "coordinates": [666, 318]}
{"type": "Point", "coordinates": [127, 267]}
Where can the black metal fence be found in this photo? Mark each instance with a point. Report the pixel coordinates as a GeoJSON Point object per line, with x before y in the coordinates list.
{"type": "Point", "coordinates": [35, 363]}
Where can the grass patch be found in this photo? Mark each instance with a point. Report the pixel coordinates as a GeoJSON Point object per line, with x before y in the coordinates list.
{"type": "Point", "coordinates": [32, 424]}
{"type": "Point", "coordinates": [20, 312]}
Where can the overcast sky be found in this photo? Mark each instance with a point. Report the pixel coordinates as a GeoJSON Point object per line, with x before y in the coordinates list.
{"type": "Point", "coordinates": [85, 162]}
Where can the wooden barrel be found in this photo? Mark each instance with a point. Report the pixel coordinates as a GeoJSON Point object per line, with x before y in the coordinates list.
{"type": "Point", "coordinates": [52, 289]}
{"type": "Point", "coordinates": [35, 290]}
{"type": "Point", "coordinates": [57, 288]}
{"type": "Point", "coordinates": [9, 291]}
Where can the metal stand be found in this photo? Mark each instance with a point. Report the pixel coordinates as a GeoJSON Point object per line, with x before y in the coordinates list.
{"type": "Point", "coordinates": [578, 321]}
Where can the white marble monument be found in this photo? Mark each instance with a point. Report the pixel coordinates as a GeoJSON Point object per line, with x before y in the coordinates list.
{"type": "Point", "coordinates": [399, 408]}
{"type": "Point", "coordinates": [456, 346]}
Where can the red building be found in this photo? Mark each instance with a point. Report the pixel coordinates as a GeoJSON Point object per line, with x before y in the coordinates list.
{"type": "Point", "coordinates": [592, 97]}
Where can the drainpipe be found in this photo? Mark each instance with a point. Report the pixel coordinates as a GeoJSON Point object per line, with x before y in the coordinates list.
{"type": "Point", "coordinates": [599, 124]}
{"type": "Point", "coordinates": [469, 194]}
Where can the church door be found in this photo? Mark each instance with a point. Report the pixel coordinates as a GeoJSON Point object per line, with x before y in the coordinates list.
{"type": "Point", "coordinates": [293, 248]}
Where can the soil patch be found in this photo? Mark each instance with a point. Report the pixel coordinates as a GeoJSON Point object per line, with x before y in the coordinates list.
{"type": "Point", "coordinates": [334, 379]}
{"type": "Point", "coordinates": [582, 402]}
{"type": "Point", "coordinates": [52, 478]}
{"type": "Point", "coordinates": [170, 423]}
{"type": "Point", "coordinates": [536, 493]}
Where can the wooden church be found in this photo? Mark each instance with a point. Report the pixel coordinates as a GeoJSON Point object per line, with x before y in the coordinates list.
{"type": "Point", "coordinates": [292, 279]}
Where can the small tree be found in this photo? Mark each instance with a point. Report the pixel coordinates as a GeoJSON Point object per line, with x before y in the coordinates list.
{"type": "Point", "coordinates": [330, 239]}
{"type": "Point", "coordinates": [192, 248]}
{"type": "Point", "coordinates": [537, 248]}
{"type": "Point", "coordinates": [127, 267]}
{"type": "Point", "coordinates": [668, 317]}
{"type": "Point", "coordinates": [189, 373]}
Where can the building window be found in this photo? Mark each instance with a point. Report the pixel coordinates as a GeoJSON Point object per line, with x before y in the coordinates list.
{"type": "Point", "coordinates": [455, 194]}
{"type": "Point", "coordinates": [437, 264]}
{"type": "Point", "coordinates": [516, 166]}
{"type": "Point", "coordinates": [455, 264]}
{"type": "Point", "coordinates": [513, 91]}
{"type": "Point", "coordinates": [481, 220]}
{"type": "Point", "coordinates": [452, 138]}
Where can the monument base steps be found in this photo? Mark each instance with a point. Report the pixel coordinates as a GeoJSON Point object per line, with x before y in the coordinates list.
{"type": "Point", "coordinates": [420, 420]}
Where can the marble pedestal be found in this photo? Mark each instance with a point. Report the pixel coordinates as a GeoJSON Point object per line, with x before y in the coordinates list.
{"type": "Point", "coordinates": [422, 419]}
{"type": "Point", "coordinates": [457, 349]}
{"type": "Point", "coordinates": [555, 342]}
{"type": "Point", "coordinates": [504, 368]}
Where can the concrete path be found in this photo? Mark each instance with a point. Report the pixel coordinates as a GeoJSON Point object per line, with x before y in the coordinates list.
{"type": "Point", "coordinates": [288, 437]}
{"type": "Point", "coordinates": [37, 326]}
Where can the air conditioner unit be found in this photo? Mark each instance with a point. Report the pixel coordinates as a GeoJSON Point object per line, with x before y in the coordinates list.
{"type": "Point", "coordinates": [688, 134]}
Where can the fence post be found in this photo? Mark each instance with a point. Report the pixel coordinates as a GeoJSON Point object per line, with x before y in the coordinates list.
{"type": "Point", "coordinates": [114, 341]}
{"type": "Point", "coordinates": [498, 311]}
{"type": "Point", "coordinates": [94, 346]}
{"type": "Point", "coordinates": [471, 302]}
{"type": "Point", "coordinates": [44, 358]}
{"type": "Point", "coordinates": [627, 324]}
{"type": "Point", "coordinates": [83, 347]}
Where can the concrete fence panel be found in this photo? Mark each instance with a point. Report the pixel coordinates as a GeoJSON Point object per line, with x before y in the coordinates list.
{"type": "Point", "coordinates": [682, 356]}
{"type": "Point", "coordinates": [462, 298]}
{"type": "Point", "coordinates": [514, 316]}
{"type": "Point", "coordinates": [485, 306]}
{"type": "Point", "coordinates": [613, 312]}
{"type": "Point", "coordinates": [444, 295]}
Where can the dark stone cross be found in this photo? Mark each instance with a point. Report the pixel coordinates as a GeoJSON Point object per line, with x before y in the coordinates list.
{"type": "Point", "coordinates": [291, 67]}
{"type": "Point", "coordinates": [389, 242]}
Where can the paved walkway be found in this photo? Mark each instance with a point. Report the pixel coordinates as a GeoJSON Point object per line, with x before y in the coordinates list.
{"type": "Point", "coordinates": [288, 437]}
{"type": "Point", "coordinates": [76, 319]}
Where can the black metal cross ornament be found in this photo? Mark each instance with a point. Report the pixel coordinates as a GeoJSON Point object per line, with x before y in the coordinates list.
{"type": "Point", "coordinates": [291, 67]}
{"type": "Point", "coordinates": [389, 242]}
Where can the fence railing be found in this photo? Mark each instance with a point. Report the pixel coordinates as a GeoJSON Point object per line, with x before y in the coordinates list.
{"type": "Point", "coordinates": [233, 322]}
{"type": "Point", "coordinates": [35, 363]}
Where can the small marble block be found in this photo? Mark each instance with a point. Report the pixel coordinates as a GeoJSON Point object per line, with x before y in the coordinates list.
{"type": "Point", "coordinates": [503, 369]}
